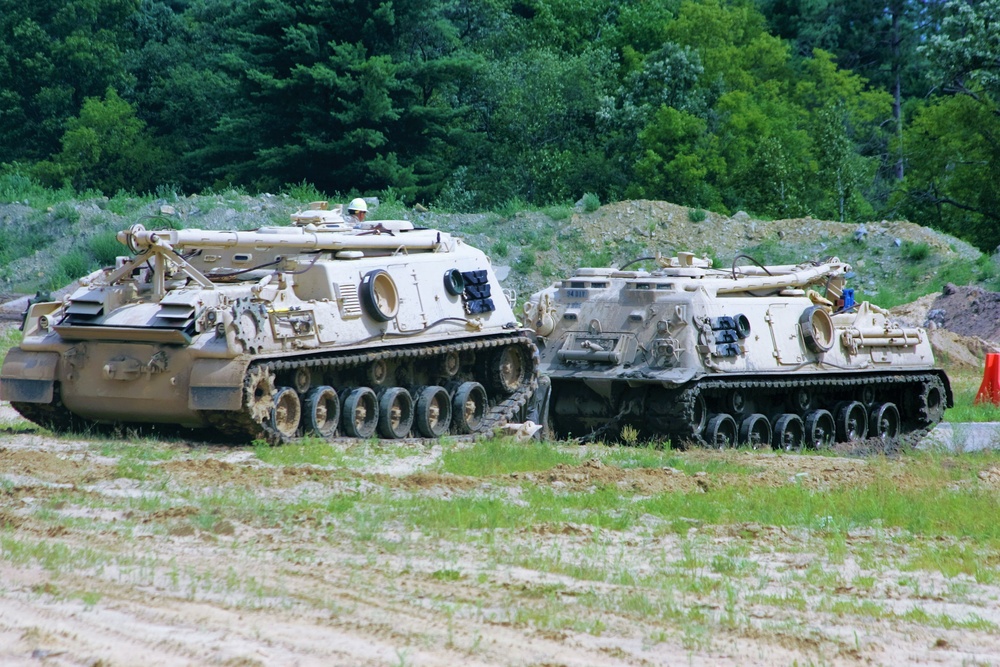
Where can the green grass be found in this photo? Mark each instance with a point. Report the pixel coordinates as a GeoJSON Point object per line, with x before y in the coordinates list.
{"type": "Point", "coordinates": [105, 248]}
{"type": "Point", "coordinates": [688, 568]}
{"type": "Point", "coordinates": [9, 338]}
{"type": "Point", "coordinates": [965, 387]}
{"type": "Point", "coordinates": [503, 456]}
{"type": "Point", "coordinates": [309, 451]}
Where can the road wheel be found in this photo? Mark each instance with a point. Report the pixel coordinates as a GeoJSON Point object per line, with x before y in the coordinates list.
{"type": "Point", "coordinates": [360, 413]}
{"type": "Point", "coordinates": [395, 413]}
{"type": "Point", "coordinates": [322, 411]}
{"type": "Point", "coordinates": [852, 421]}
{"type": "Point", "coordinates": [433, 411]}
{"type": "Point", "coordinates": [788, 432]}
{"type": "Point", "coordinates": [884, 422]}
{"type": "Point", "coordinates": [755, 431]}
{"type": "Point", "coordinates": [721, 431]}
{"type": "Point", "coordinates": [821, 431]}
{"type": "Point", "coordinates": [287, 412]}
{"type": "Point", "coordinates": [468, 407]}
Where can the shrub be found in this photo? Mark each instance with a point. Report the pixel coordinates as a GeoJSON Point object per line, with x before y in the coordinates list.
{"type": "Point", "coordinates": [66, 211]}
{"type": "Point", "coordinates": [304, 192]}
{"type": "Point", "coordinates": [16, 185]}
{"type": "Point", "coordinates": [500, 249]}
{"type": "Point", "coordinates": [512, 207]}
{"type": "Point", "coordinates": [526, 262]}
{"type": "Point", "coordinates": [75, 264]}
{"type": "Point", "coordinates": [105, 248]}
{"type": "Point", "coordinates": [697, 215]}
{"type": "Point", "coordinates": [596, 258]}
{"type": "Point", "coordinates": [916, 252]}
{"type": "Point", "coordinates": [591, 202]}
{"type": "Point", "coordinates": [560, 212]}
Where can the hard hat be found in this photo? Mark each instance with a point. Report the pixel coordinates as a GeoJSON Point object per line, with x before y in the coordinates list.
{"type": "Point", "coordinates": [357, 204]}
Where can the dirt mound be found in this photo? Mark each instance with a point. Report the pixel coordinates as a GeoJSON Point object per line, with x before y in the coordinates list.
{"type": "Point", "coordinates": [672, 228]}
{"type": "Point", "coordinates": [963, 323]}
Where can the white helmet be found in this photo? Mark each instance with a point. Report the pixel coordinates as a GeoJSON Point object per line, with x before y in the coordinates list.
{"type": "Point", "coordinates": [357, 204]}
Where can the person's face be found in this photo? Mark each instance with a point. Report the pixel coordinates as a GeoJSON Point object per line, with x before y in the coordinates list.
{"type": "Point", "coordinates": [361, 215]}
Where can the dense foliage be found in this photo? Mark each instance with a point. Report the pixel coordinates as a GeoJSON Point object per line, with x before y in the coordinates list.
{"type": "Point", "coordinates": [839, 109]}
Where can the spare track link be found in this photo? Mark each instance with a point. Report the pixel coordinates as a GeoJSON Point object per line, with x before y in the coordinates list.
{"type": "Point", "coordinates": [685, 401]}
{"type": "Point", "coordinates": [240, 425]}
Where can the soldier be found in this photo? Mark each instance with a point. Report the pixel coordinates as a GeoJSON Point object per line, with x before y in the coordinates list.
{"type": "Point", "coordinates": [356, 212]}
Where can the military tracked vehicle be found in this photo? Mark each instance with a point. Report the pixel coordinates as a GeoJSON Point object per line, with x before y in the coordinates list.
{"type": "Point", "coordinates": [752, 354]}
{"type": "Point", "coordinates": [318, 328]}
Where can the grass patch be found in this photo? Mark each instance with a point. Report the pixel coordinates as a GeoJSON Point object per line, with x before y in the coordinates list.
{"type": "Point", "coordinates": [105, 248]}
{"type": "Point", "coordinates": [309, 451]}
{"type": "Point", "coordinates": [965, 386]}
{"type": "Point", "coordinates": [497, 456]}
{"type": "Point", "coordinates": [9, 338]}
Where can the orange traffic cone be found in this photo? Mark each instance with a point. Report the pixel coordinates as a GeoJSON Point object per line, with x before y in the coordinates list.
{"type": "Point", "coordinates": [989, 390]}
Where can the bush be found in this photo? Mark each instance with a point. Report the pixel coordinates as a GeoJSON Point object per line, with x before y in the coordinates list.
{"type": "Point", "coordinates": [304, 192]}
{"type": "Point", "coordinates": [697, 215]}
{"type": "Point", "coordinates": [596, 258]}
{"type": "Point", "coordinates": [560, 212]}
{"type": "Point", "coordinates": [15, 185]}
{"type": "Point", "coordinates": [526, 262]}
{"type": "Point", "coordinates": [391, 206]}
{"type": "Point", "coordinates": [500, 249]}
{"type": "Point", "coordinates": [591, 202]}
{"type": "Point", "coordinates": [66, 211]}
{"type": "Point", "coordinates": [916, 252]}
{"type": "Point", "coordinates": [74, 264]}
{"type": "Point", "coordinates": [512, 207]}
{"type": "Point", "coordinates": [105, 248]}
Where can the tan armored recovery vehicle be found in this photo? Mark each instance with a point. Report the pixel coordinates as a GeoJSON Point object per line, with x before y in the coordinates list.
{"type": "Point", "coordinates": [753, 354]}
{"type": "Point", "coordinates": [320, 328]}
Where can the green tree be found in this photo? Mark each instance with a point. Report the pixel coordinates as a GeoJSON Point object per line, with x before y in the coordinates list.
{"type": "Point", "coordinates": [681, 161]}
{"type": "Point", "coordinates": [953, 140]}
{"type": "Point", "coordinates": [106, 148]}
{"type": "Point", "coordinates": [54, 54]}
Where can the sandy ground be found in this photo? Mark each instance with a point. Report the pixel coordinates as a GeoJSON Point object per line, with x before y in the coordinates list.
{"type": "Point", "coordinates": [102, 566]}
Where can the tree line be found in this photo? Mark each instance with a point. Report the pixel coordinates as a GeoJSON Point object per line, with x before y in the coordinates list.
{"type": "Point", "coordinates": [838, 109]}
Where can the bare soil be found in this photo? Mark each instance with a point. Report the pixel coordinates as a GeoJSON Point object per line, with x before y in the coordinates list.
{"type": "Point", "coordinates": [101, 567]}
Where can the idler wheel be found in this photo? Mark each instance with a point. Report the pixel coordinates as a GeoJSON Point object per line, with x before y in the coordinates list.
{"type": "Point", "coordinates": [433, 411]}
{"type": "Point", "coordinates": [360, 413]}
{"type": "Point", "coordinates": [506, 369]}
{"type": "Point", "coordinates": [287, 412]}
{"type": "Point", "coordinates": [468, 407]}
{"type": "Point", "coordinates": [788, 432]}
{"type": "Point", "coordinates": [322, 411]}
{"type": "Point", "coordinates": [755, 431]}
{"type": "Point", "coordinates": [395, 413]}
{"type": "Point", "coordinates": [884, 422]}
{"type": "Point", "coordinates": [721, 431]}
{"type": "Point", "coordinates": [932, 402]}
{"type": "Point", "coordinates": [260, 394]}
{"type": "Point", "coordinates": [852, 421]}
{"type": "Point", "coordinates": [821, 430]}
{"type": "Point", "coordinates": [698, 415]}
